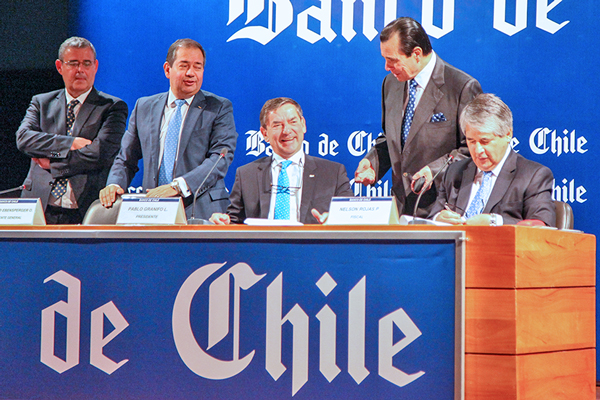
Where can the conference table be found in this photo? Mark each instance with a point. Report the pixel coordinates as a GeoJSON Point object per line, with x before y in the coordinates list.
{"type": "Point", "coordinates": [419, 312]}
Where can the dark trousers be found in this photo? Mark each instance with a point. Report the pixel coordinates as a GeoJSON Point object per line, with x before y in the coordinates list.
{"type": "Point", "coordinates": [59, 216]}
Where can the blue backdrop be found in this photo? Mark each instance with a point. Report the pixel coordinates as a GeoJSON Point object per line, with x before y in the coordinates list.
{"type": "Point", "coordinates": [538, 56]}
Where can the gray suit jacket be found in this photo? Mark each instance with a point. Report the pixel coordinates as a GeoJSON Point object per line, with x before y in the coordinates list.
{"type": "Point", "coordinates": [207, 129]}
{"type": "Point", "coordinates": [321, 180]}
{"type": "Point", "coordinates": [43, 134]}
{"type": "Point", "coordinates": [523, 190]}
{"type": "Point", "coordinates": [429, 143]}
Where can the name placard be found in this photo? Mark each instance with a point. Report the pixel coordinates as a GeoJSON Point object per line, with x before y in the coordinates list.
{"type": "Point", "coordinates": [362, 211]}
{"type": "Point", "coordinates": [21, 212]}
{"type": "Point", "coordinates": [151, 211]}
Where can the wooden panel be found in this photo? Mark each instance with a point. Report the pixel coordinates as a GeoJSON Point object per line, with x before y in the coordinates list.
{"type": "Point", "coordinates": [527, 257]}
{"type": "Point", "coordinates": [568, 375]}
{"type": "Point", "coordinates": [519, 321]}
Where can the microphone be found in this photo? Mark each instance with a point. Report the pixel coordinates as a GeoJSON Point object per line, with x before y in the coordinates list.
{"type": "Point", "coordinates": [16, 189]}
{"type": "Point", "coordinates": [414, 220]}
{"type": "Point", "coordinates": [200, 221]}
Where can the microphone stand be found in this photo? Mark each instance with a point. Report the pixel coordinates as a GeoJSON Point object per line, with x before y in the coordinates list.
{"type": "Point", "coordinates": [425, 221]}
{"type": "Point", "coordinates": [12, 189]}
{"type": "Point", "coordinates": [199, 221]}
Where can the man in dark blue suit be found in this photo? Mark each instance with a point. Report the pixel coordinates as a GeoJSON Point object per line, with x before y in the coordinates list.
{"type": "Point", "coordinates": [180, 135]}
{"type": "Point", "coordinates": [72, 136]}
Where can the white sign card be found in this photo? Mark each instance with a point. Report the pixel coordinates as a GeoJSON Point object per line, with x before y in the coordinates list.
{"type": "Point", "coordinates": [21, 212]}
{"type": "Point", "coordinates": [362, 211]}
{"type": "Point", "coordinates": [137, 210]}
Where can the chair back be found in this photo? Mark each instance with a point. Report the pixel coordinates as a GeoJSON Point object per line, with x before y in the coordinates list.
{"type": "Point", "coordinates": [564, 215]}
{"type": "Point", "coordinates": [98, 215]}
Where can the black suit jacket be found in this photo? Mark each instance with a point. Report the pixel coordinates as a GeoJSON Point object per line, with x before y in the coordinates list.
{"type": "Point", "coordinates": [43, 134]}
{"type": "Point", "coordinates": [321, 180]}
{"type": "Point", "coordinates": [429, 143]}
{"type": "Point", "coordinates": [523, 190]}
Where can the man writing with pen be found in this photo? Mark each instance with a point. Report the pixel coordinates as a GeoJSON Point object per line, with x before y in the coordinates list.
{"type": "Point", "coordinates": [496, 186]}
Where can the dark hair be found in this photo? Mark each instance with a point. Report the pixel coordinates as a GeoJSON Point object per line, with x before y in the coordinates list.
{"type": "Point", "coordinates": [187, 43]}
{"type": "Point", "coordinates": [273, 105]}
{"type": "Point", "coordinates": [77, 42]}
{"type": "Point", "coordinates": [487, 113]}
{"type": "Point", "coordinates": [410, 33]}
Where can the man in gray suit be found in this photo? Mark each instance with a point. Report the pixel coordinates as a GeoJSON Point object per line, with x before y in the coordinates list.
{"type": "Point", "coordinates": [72, 136]}
{"type": "Point", "coordinates": [180, 135]}
{"type": "Point", "coordinates": [421, 99]}
{"type": "Point", "coordinates": [497, 186]}
{"type": "Point", "coordinates": [290, 185]}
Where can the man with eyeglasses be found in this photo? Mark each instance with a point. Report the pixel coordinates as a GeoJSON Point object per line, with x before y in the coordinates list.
{"type": "Point", "coordinates": [180, 134]}
{"type": "Point", "coordinates": [289, 185]}
{"type": "Point", "coordinates": [72, 136]}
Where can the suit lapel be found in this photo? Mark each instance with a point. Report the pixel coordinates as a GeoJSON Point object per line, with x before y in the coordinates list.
{"type": "Point", "coordinates": [84, 113]}
{"type": "Point", "coordinates": [155, 115]}
{"type": "Point", "coordinates": [429, 99]}
{"type": "Point", "coordinates": [394, 132]}
{"type": "Point", "coordinates": [264, 186]}
{"type": "Point", "coordinates": [193, 114]}
{"type": "Point", "coordinates": [59, 114]}
{"type": "Point", "coordinates": [309, 181]}
{"type": "Point", "coordinates": [507, 174]}
{"type": "Point", "coordinates": [466, 185]}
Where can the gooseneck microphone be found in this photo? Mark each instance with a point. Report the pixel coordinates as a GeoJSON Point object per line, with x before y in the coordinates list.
{"type": "Point", "coordinates": [15, 189]}
{"type": "Point", "coordinates": [420, 186]}
{"type": "Point", "coordinates": [200, 221]}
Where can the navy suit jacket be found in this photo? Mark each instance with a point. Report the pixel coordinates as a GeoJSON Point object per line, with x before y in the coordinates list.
{"type": "Point", "coordinates": [523, 190]}
{"type": "Point", "coordinates": [429, 143]}
{"type": "Point", "coordinates": [321, 180]}
{"type": "Point", "coordinates": [208, 128]}
{"type": "Point", "coordinates": [43, 134]}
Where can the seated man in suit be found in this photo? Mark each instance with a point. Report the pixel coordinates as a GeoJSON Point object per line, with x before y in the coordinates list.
{"type": "Point", "coordinates": [180, 135]}
{"type": "Point", "coordinates": [496, 186]}
{"type": "Point", "coordinates": [72, 136]}
{"type": "Point", "coordinates": [290, 185]}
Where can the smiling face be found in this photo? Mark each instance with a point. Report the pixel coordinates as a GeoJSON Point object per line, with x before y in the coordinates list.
{"type": "Point", "coordinates": [78, 68]}
{"type": "Point", "coordinates": [403, 67]}
{"type": "Point", "coordinates": [285, 130]}
{"type": "Point", "coordinates": [186, 73]}
{"type": "Point", "coordinates": [486, 149]}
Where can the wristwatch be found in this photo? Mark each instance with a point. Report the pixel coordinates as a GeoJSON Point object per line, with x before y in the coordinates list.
{"type": "Point", "coordinates": [493, 220]}
{"type": "Point", "coordinates": [175, 185]}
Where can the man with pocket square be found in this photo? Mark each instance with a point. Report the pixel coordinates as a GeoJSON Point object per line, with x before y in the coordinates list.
{"type": "Point", "coordinates": [422, 98]}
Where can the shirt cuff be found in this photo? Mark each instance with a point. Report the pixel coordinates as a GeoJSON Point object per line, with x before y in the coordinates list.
{"type": "Point", "coordinates": [185, 190]}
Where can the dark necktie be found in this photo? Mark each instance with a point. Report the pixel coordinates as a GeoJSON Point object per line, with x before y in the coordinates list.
{"type": "Point", "coordinates": [60, 186]}
{"type": "Point", "coordinates": [409, 113]}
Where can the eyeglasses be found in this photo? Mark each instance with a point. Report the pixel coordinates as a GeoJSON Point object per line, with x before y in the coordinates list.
{"type": "Point", "coordinates": [292, 190]}
{"type": "Point", "coordinates": [76, 64]}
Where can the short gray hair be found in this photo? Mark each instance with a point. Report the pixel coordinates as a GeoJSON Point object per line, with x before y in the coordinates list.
{"type": "Point", "coordinates": [487, 113]}
{"type": "Point", "coordinates": [77, 42]}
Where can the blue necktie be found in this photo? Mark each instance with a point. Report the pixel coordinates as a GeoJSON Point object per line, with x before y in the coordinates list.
{"type": "Point", "coordinates": [409, 113]}
{"type": "Point", "coordinates": [483, 193]}
{"type": "Point", "coordinates": [165, 174]}
{"type": "Point", "coordinates": [60, 187]}
{"type": "Point", "coordinates": [282, 199]}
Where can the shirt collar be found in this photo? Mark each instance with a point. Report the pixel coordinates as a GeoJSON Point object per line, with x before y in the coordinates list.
{"type": "Point", "coordinates": [424, 76]}
{"type": "Point", "coordinates": [297, 159]}
{"type": "Point", "coordinates": [81, 97]}
{"type": "Point", "coordinates": [171, 99]}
